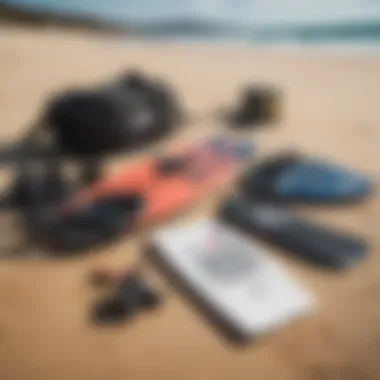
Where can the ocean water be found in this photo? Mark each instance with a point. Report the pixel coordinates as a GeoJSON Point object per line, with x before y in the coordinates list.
{"type": "Point", "coordinates": [294, 23]}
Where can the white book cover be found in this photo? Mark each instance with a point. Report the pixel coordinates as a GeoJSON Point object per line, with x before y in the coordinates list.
{"type": "Point", "coordinates": [234, 275]}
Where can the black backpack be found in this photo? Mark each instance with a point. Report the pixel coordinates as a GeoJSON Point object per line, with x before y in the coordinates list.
{"type": "Point", "coordinates": [129, 112]}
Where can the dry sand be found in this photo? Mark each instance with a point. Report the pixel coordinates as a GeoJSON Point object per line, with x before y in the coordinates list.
{"type": "Point", "coordinates": [331, 109]}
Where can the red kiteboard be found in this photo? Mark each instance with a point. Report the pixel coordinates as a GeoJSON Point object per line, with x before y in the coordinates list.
{"type": "Point", "coordinates": [171, 183]}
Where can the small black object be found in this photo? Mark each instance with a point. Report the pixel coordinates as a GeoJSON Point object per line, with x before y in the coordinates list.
{"type": "Point", "coordinates": [15, 153]}
{"type": "Point", "coordinates": [86, 226]}
{"type": "Point", "coordinates": [310, 241]}
{"type": "Point", "coordinates": [130, 296]}
{"type": "Point", "coordinates": [37, 187]}
{"type": "Point", "coordinates": [257, 105]}
{"type": "Point", "coordinates": [171, 166]}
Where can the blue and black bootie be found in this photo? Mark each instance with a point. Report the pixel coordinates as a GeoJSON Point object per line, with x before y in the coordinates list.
{"type": "Point", "coordinates": [295, 179]}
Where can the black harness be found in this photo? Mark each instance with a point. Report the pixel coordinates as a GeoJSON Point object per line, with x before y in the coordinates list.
{"type": "Point", "coordinates": [86, 126]}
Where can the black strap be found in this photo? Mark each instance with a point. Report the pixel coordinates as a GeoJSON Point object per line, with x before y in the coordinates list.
{"type": "Point", "coordinates": [87, 227]}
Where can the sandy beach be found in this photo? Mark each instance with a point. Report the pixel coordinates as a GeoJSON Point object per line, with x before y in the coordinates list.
{"type": "Point", "coordinates": [331, 109]}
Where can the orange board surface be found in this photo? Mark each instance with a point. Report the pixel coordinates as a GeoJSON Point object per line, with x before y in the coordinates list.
{"type": "Point", "coordinates": [173, 182]}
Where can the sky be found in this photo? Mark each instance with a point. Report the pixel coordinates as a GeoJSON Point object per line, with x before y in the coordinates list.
{"type": "Point", "coordinates": [250, 12]}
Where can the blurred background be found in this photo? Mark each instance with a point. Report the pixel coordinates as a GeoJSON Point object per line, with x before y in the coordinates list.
{"type": "Point", "coordinates": [353, 24]}
{"type": "Point", "coordinates": [321, 55]}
